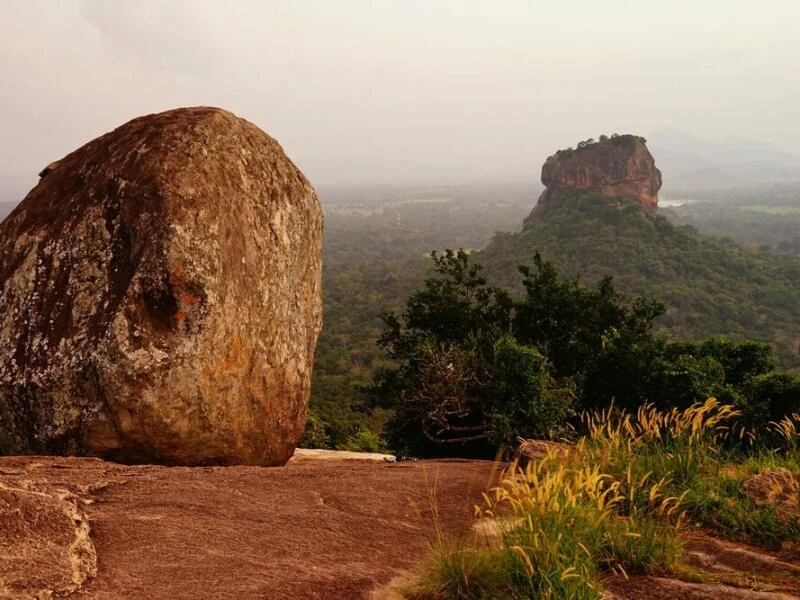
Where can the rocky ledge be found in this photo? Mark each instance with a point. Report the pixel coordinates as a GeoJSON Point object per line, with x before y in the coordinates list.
{"type": "Point", "coordinates": [620, 165]}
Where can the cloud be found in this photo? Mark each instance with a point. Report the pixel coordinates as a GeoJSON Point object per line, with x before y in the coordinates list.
{"type": "Point", "coordinates": [167, 35]}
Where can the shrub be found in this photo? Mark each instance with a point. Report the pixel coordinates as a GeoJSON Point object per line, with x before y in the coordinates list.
{"type": "Point", "coordinates": [526, 402]}
{"type": "Point", "coordinates": [771, 397]}
{"type": "Point", "coordinates": [315, 435]}
{"type": "Point", "coordinates": [688, 379]}
{"type": "Point", "coordinates": [741, 360]}
{"type": "Point", "coordinates": [363, 440]}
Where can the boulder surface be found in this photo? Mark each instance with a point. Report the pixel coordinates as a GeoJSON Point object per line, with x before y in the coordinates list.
{"type": "Point", "coordinates": [45, 545]}
{"type": "Point", "coordinates": [160, 297]}
{"type": "Point", "coordinates": [616, 166]}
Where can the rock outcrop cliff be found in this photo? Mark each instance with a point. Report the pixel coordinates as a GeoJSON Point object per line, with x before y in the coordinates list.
{"type": "Point", "coordinates": [160, 297]}
{"type": "Point", "coordinates": [616, 166]}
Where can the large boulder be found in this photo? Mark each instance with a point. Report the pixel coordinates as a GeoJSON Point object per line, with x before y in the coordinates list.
{"type": "Point", "coordinates": [617, 166]}
{"type": "Point", "coordinates": [160, 297]}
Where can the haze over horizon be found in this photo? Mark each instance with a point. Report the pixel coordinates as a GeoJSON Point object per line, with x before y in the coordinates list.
{"type": "Point", "coordinates": [417, 92]}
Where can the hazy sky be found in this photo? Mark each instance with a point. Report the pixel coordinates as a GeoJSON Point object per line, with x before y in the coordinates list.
{"type": "Point", "coordinates": [399, 91]}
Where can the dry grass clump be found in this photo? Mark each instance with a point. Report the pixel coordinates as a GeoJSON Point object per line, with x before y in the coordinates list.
{"type": "Point", "coordinates": [616, 503]}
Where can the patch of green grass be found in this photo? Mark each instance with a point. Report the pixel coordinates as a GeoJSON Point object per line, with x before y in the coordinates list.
{"type": "Point", "coordinates": [720, 505]}
{"type": "Point", "coordinates": [457, 571]}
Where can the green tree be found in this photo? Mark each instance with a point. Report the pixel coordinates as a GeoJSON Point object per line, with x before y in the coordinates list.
{"type": "Point", "coordinates": [474, 369]}
{"type": "Point", "coordinates": [741, 360]}
{"type": "Point", "coordinates": [770, 397]}
{"type": "Point", "coordinates": [443, 344]}
{"type": "Point", "coordinates": [477, 370]}
{"type": "Point", "coordinates": [314, 435]}
{"type": "Point", "coordinates": [688, 379]}
{"type": "Point", "coordinates": [525, 401]}
{"type": "Point", "coordinates": [589, 334]}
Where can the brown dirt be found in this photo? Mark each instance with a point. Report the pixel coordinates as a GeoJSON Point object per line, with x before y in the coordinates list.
{"type": "Point", "coordinates": [327, 530]}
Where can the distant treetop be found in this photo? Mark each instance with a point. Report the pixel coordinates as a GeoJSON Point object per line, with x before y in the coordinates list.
{"type": "Point", "coordinates": [615, 139]}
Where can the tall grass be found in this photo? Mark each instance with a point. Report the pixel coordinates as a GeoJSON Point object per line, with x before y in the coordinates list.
{"type": "Point", "coordinates": [616, 503]}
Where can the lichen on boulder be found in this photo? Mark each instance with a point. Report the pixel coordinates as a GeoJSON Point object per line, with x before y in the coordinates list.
{"type": "Point", "coordinates": [160, 297]}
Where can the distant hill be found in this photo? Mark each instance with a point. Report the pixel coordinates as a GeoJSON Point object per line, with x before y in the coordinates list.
{"type": "Point", "coordinates": [709, 286]}
{"type": "Point", "coordinates": [12, 191]}
{"type": "Point", "coordinates": [685, 159]}
{"type": "Point", "coordinates": [707, 176]}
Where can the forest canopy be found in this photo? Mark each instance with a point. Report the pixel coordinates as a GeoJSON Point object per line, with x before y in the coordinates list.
{"type": "Point", "coordinates": [377, 254]}
{"type": "Point", "coordinates": [477, 369]}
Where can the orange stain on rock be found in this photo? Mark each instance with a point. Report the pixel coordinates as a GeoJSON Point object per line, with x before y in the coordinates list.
{"type": "Point", "coordinates": [233, 360]}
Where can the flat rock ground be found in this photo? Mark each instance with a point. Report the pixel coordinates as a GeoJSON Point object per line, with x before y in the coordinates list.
{"type": "Point", "coordinates": [312, 529]}
{"type": "Point", "coordinates": [332, 529]}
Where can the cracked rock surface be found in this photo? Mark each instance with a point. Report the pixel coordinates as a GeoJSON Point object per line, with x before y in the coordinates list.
{"type": "Point", "coordinates": [45, 544]}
